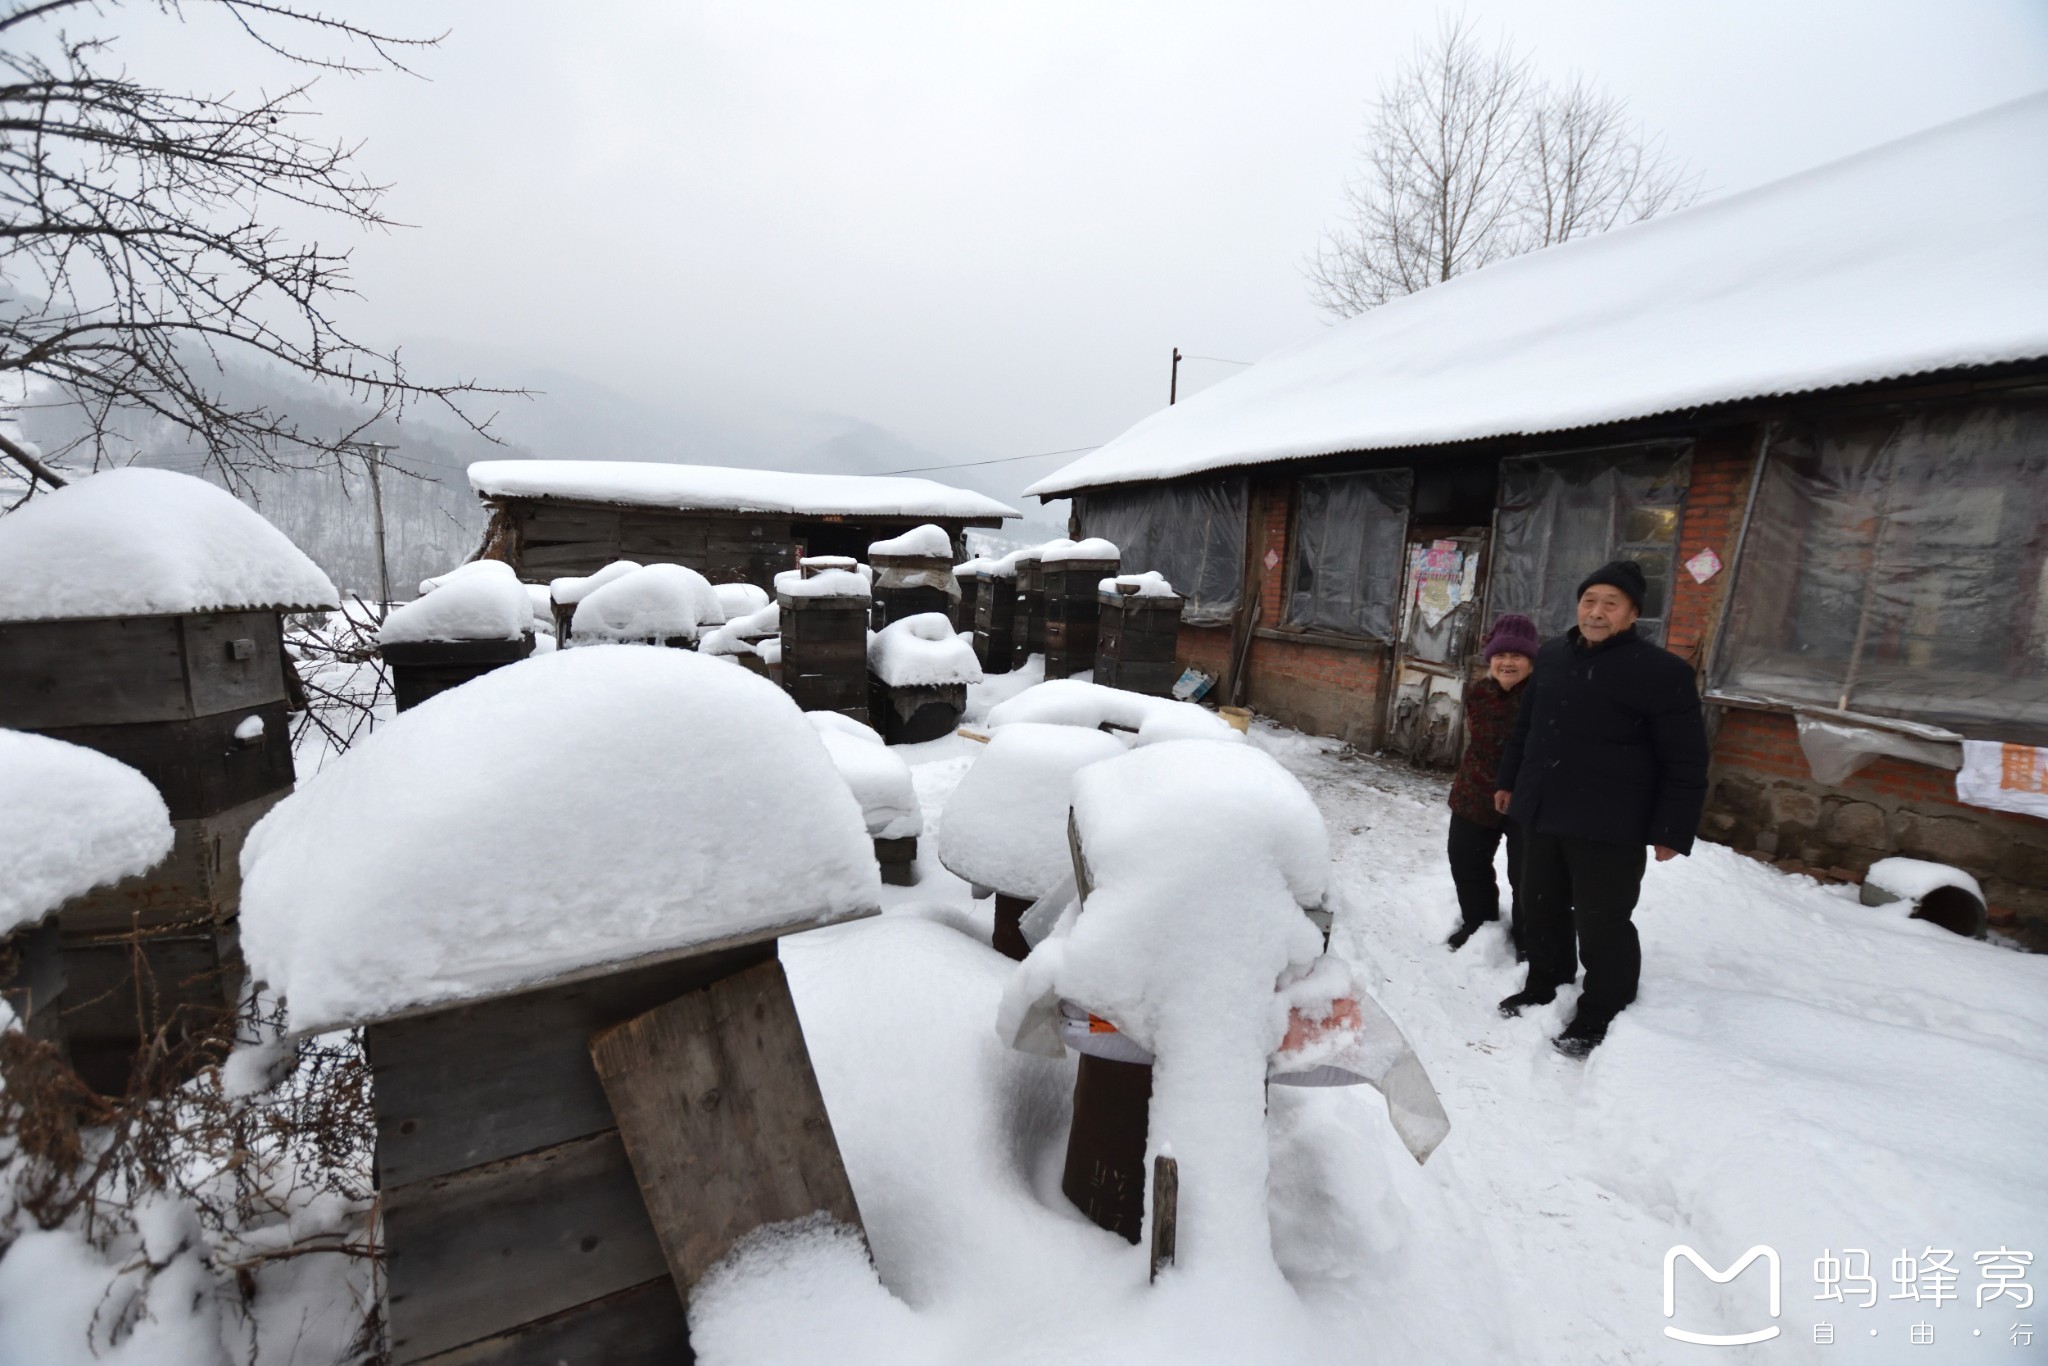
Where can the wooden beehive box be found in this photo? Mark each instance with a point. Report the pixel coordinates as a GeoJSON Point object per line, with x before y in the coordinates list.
{"type": "Point", "coordinates": [825, 652]}
{"type": "Point", "coordinates": [557, 1164]}
{"type": "Point", "coordinates": [427, 668]}
{"type": "Point", "coordinates": [1027, 616]}
{"type": "Point", "coordinates": [994, 618]}
{"type": "Point", "coordinates": [907, 585]}
{"type": "Point", "coordinates": [1136, 639]}
{"type": "Point", "coordinates": [1073, 604]}
{"type": "Point", "coordinates": [197, 703]}
{"type": "Point", "coordinates": [910, 715]}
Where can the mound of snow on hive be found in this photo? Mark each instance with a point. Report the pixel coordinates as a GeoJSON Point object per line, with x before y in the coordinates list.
{"type": "Point", "coordinates": [925, 542]}
{"type": "Point", "coordinates": [922, 651]}
{"type": "Point", "coordinates": [570, 591]}
{"type": "Point", "coordinates": [825, 583]}
{"type": "Point", "coordinates": [1150, 584]}
{"type": "Point", "coordinates": [569, 811]}
{"type": "Point", "coordinates": [140, 542]}
{"type": "Point", "coordinates": [1006, 824]}
{"type": "Point", "coordinates": [71, 819]}
{"type": "Point", "coordinates": [877, 775]}
{"type": "Point", "coordinates": [485, 601]}
{"type": "Point", "coordinates": [740, 599]}
{"type": "Point", "coordinates": [659, 602]}
{"type": "Point", "coordinates": [1092, 548]}
{"type": "Point", "coordinates": [1072, 702]}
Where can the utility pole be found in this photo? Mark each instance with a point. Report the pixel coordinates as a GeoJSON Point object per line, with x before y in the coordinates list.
{"type": "Point", "coordinates": [373, 455]}
{"type": "Point", "coordinates": [1173, 387]}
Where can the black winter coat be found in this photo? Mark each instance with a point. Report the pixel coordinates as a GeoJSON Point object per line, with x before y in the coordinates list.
{"type": "Point", "coordinates": [1609, 744]}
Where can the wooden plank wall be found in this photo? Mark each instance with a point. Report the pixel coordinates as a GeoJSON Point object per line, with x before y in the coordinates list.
{"type": "Point", "coordinates": [512, 1220]}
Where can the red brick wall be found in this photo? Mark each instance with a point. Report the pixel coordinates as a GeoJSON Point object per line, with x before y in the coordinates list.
{"type": "Point", "coordinates": [1271, 504]}
{"type": "Point", "coordinates": [1721, 468]}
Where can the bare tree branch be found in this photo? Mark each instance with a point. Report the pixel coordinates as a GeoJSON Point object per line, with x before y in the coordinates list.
{"type": "Point", "coordinates": [138, 256]}
{"type": "Point", "coordinates": [1469, 160]}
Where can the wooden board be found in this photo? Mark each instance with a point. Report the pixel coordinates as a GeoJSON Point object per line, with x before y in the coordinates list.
{"type": "Point", "coordinates": [191, 982]}
{"type": "Point", "coordinates": [474, 1084]}
{"type": "Point", "coordinates": [198, 766]}
{"type": "Point", "coordinates": [200, 883]}
{"type": "Point", "coordinates": [234, 661]}
{"type": "Point", "coordinates": [643, 1326]}
{"type": "Point", "coordinates": [32, 976]}
{"type": "Point", "coordinates": [722, 1117]}
{"type": "Point", "coordinates": [645, 536]}
{"type": "Point", "coordinates": [473, 1254]}
{"type": "Point", "coordinates": [544, 523]}
{"type": "Point", "coordinates": [61, 673]}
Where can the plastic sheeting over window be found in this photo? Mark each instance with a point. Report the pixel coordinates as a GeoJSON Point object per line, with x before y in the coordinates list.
{"type": "Point", "coordinates": [1348, 534]}
{"type": "Point", "coordinates": [1191, 532]}
{"type": "Point", "coordinates": [1563, 516]}
{"type": "Point", "coordinates": [1895, 565]}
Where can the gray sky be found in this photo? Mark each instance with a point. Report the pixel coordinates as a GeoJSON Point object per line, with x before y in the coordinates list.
{"type": "Point", "coordinates": [984, 227]}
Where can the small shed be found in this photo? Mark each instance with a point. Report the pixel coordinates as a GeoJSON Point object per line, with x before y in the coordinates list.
{"type": "Point", "coordinates": [589, 1075]}
{"type": "Point", "coordinates": [572, 517]}
{"type": "Point", "coordinates": [71, 820]}
{"type": "Point", "coordinates": [141, 615]}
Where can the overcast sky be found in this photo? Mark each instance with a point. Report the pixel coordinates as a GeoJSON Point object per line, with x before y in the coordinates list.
{"type": "Point", "coordinates": [984, 227]}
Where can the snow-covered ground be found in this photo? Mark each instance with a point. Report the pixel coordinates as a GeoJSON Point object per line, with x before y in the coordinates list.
{"type": "Point", "coordinates": [1800, 1072]}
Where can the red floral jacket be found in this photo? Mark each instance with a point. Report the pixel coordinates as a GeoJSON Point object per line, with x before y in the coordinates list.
{"type": "Point", "coordinates": [1489, 717]}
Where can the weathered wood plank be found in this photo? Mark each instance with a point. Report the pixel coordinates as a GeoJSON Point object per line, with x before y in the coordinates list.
{"type": "Point", "coordinates": [478, 1252]}
{"type": "Point", "coordinates": [460, 1087]}
{"type": "Point", "coordinates": [546, 523]}
{"type": "Point", "coordinates": [187, 982]}
{"type": "Point", "coordinates": [233, 661]}
{"type": "Point", "coordinates": [568, 559]}
{"type": "Point", "coordinates": [722, 1117]}
{"type": "Point", "coordinates": [200, 883]}
{"type": "Point", "coordinates": [198, 766]}
{"type": "Point", "coordinates": [101, 671]}
{"type": "Point", "coordinates": [32, 976]}
{"type": "Point", "coordinates": [1165, 1211]}
{"type": "Point", "coordinates": [644, 1326]}
{"type": "Point", "coordinates": [654, 534]}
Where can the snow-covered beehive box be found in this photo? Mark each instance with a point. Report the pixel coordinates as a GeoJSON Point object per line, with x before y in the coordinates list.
{"type": "Point", "coordinates": [1137, 633]}
{"type": "Point", "coordinates": [1072, 572]}
{"type": "Point", "coordinates": [463, 625]}
{"type": "Point", "coordinates": [919, 669]}
{"type": "Point", "coordinates": [995, 615]}
{"type": "Point", "coordinates": [1027, 612]}
{"type": "Point", "coordinates": [71, 820]}
{"type": "Point", "coordinates": [558, 930]}
{"type": "Point", "coordinates": [880, 781]}
{"type": "Point", "coordinates": [914, 575]}
{"type": "Point", "coordinates": [141, 615]}
{"type": "Point", "coordinates": [824, 609]}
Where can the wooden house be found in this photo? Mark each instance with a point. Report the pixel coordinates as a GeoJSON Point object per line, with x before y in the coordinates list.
{"type": "Point", "coordinates": [554, 518]}
{"type": "Point", "coordinates": [1815, 412]}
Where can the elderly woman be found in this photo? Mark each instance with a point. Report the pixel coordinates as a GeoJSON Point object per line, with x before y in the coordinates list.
{"type": "Point", "coordinates": [1476, 827]}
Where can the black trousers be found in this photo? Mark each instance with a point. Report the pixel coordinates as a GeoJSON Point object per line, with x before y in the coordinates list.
{"type": "Point", "coordinates": [1471, 849]}
{"type": "Point", "coordinates": [1575, 899]}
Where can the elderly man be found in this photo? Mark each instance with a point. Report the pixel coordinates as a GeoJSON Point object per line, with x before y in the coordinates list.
{"type": "Point", "coordinates": [1608, 757]}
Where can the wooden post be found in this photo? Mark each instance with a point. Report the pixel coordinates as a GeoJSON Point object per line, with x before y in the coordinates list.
{"type": "Point", "coordinates": [1165, 1210]}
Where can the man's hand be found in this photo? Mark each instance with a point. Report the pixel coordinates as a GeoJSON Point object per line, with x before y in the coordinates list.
{"type": "Point", "coordinates": [1664, 854]}
{"type": "Point", "coordinates": [1501, 800]}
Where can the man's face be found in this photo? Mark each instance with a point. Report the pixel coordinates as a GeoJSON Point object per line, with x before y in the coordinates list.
{"type": "Point", "coordinates": [1603, 610]}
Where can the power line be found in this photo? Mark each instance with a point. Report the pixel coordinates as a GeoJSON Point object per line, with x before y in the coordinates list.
{"type": "Point", "coordinates": [1000, 460]}
{"type": "Point", "coordinates": [1220, 360]}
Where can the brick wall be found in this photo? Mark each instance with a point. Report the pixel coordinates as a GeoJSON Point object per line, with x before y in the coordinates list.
{"type": "Point", "coordinates": [1762, 799]}
{"type": "Point", "coordinates": [1721, 467]}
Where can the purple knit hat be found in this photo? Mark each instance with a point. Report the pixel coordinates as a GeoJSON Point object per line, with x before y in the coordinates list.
{"type": "Point", "coordinates": [1512, 633]}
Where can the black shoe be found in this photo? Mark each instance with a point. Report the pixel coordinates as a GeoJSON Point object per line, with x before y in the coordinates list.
{"type": "Point", "coordinates": [1578, 1043]}
{"type": "Point", "coordinates": [1460, 935]}
{"type": "Point", "coordinates": [1527, 996]}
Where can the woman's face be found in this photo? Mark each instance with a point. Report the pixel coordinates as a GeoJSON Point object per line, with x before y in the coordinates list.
{"type": "Point", "coordinates": [1509, 668]}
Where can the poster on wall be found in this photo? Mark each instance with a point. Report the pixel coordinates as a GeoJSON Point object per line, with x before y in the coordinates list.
{"type": "Point", "coordinates": [2004, 777]}
{"type": "Point", "coordinates": [1438, 572]}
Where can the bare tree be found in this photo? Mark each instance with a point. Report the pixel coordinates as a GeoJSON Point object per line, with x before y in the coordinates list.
{"type": "Point", "coordinates": [1469, 159]}
{"type": "Point", "coordinates": [139, 252]}
{"type": "Point", "coordinates": [1587, 168]}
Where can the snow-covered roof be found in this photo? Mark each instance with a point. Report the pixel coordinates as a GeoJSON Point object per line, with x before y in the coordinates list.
{"type": "Point", "coordinates": [71, 819]}
{"type": "Point", "coordinates": [725, 489]}
{"type": "Point", "coordinates": [1925, 254]}
{"type": "Point", "coordinates": [561, 814]}
{"type": "Point", "coordinates": [142, 542]}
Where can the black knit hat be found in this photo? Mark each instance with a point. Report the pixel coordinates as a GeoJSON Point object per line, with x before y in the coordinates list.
{"type": "Point", "coordinates": [1626, 575]}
